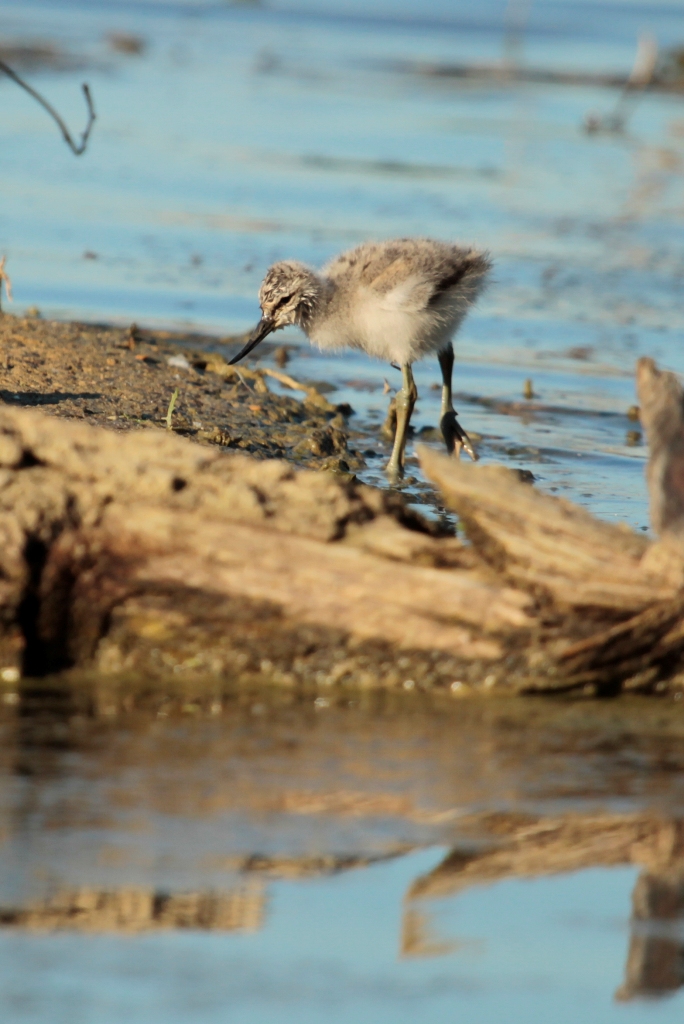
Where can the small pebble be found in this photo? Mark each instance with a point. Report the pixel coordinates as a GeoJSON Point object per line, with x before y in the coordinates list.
{"type": "Point", "coordinates": [126, 42]}
{"type": "Point", "coordinates": [179, 362]}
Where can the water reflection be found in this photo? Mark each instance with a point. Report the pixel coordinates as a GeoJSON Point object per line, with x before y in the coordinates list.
{"type": "Point", "coordinates": [534, 847]}
{"type": "Point", "coordinates": [655, 962]}
{"type": "Point", "coordinates": [140, 910]}
{"type": "Point", "coordinates": [118, 822]}
{"type": "Point", "coordinates": [547, 846]}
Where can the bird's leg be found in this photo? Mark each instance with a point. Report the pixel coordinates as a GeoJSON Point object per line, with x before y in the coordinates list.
{"type": "Point", "coordinates": [404, 402]}
{"type": "Point", "coordinates": [453, 433]}
{"type": "Point", "coordinates": [446, 365]}
{"type": "Point", "coordinates": [389, 427]}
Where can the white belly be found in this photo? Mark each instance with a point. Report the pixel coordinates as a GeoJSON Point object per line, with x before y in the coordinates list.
{"type": "Point", "coordinates": [384, 327]}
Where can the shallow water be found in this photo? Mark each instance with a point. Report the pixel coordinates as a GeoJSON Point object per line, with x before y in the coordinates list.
{"type": "Point", "coordinates": [261, 865]}
{"type": "Point", "coordinates": [246, 133]}
{"type": "Point", "coordinates": [330, 952]}
{"type": "Point", "coordinates": [277, 860]}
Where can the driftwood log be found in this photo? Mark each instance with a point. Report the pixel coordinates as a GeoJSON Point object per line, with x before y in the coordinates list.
{"type": "Point", "coordinates": [145, 553]}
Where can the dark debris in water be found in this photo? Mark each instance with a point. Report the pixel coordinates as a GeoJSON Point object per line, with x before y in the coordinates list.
{"type": "Point", "coordinates": [530, 408]}
{"type": "Point", "coordinates": [31, 55]}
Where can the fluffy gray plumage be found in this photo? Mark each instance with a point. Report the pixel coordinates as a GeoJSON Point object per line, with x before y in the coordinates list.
{"type": "Point", "coordinates": [398, 300]}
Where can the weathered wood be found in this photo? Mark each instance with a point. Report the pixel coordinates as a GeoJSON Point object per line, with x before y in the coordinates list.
{"type": "Point", "coordinates": [93, 522]}
{"type": "Point", "coordinates": [332, 585]}
{"type": "Point", "coordinates": [545, 544]}
{"type": "Point", "coordinates": [145, 552]}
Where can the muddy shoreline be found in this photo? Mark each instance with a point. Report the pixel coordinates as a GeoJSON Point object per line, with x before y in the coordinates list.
{"type": "Point", "coordinates": [125, 378]}
{"type": "Point", "coordinates": [136, 550]}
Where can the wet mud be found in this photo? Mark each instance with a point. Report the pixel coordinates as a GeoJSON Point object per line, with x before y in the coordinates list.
{"type": "Point", "coordinates": [125, 379]}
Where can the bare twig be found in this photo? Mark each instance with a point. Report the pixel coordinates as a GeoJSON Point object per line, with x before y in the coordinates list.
{"type": "Point", "coordinates": [312, 395]}
{"type": "Point", "coordinates": [4, 277]}
{"type": "Point", "coordinates": [76, 148]}
{"type": "Point", "coordinates": [243, 381]}
{"type": "Point", "coordinates": [284, 378]}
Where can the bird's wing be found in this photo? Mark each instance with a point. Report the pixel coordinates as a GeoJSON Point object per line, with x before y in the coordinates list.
{"type": "Point", "coordinates": [447, 281]}
{"type": "Point", "coordinates": [385, 278]}
{"type": "Point", "coordinates": [400, 285]}
{"type": "Point", "coordinates": [403, 285]}
{"type": "Point", "coordinates": [412, 274]}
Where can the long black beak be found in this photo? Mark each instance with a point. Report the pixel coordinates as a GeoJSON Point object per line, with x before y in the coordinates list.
{"type": "Point", "coordinates": [264, 327]}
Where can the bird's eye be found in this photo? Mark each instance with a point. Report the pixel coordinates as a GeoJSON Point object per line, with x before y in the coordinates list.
{"type": "Point", "coordinates": [281, 302]}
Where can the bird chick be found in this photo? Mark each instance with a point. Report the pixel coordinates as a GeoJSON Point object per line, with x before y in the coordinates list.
{"type": "Point", "coordinates": [398, 300]}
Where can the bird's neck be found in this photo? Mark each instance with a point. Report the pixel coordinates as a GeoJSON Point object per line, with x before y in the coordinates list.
{"type": "Point", "coordinates": [315, 305]}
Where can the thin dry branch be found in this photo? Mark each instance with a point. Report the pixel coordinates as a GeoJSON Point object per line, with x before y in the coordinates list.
{"type": "Point", "coordinates": [76, 148]}
{"type": "Point", "coordinates": [312, 394]}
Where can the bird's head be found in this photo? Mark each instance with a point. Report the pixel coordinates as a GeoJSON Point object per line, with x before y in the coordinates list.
{"type": "Point", "coordinates": [288, 295]}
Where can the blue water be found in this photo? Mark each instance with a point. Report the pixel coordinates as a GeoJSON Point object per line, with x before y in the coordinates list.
{"type": "Point", "coordinates": [140, 808]}
{"type": "Point", "coordinates": [548, 949]}
{"type": "Point", "coordinates": [247, 133]}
